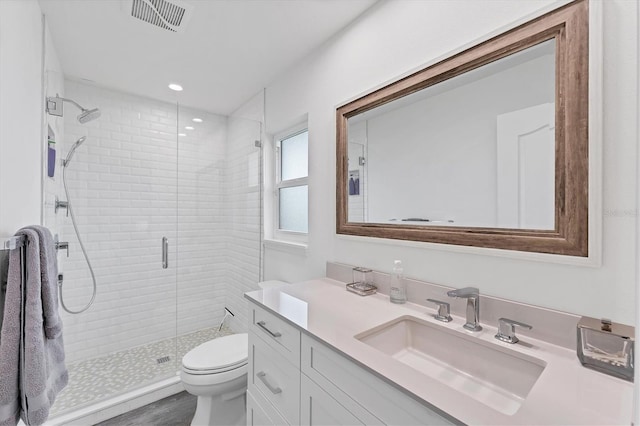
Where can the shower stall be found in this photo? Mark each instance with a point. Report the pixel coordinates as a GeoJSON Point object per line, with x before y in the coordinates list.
{"type": "Point", "coordinates": [167, 201]}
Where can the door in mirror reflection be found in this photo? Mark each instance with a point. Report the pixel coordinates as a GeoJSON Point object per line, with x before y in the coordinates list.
{"type": "Point", "coordinates": [526, 168]}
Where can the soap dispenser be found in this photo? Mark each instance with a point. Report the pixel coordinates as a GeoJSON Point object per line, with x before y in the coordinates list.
{"type": "Point", "coordinates": [398, 292]}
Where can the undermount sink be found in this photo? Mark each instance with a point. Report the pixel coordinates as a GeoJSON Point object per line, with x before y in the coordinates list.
{"type": "Point", "coordinates": [491, 374]}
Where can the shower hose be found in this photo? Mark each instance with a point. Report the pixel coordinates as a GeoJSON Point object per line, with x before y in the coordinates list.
{"type": "Point", "coordinates": [84, 251]}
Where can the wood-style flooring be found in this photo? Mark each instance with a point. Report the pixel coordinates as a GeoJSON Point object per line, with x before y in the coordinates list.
{"type": "Point", "coordinates": [175, 410]}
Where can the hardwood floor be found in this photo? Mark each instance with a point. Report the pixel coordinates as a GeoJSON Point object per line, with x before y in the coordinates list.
{"type": "Point", "coordinates": [175, 410]}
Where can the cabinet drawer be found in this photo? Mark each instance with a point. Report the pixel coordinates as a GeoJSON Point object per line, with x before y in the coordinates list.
{"type": "Point", "coordinates": [317, 407]}
{"type": "Point", "coordinates": [261, 413]}
{"type": "Point", "coordinates": [280, 335]}
{"type": "Point", "coordinates": [275, 378]}
{"type": "Point", "coordinates": [343, 378]}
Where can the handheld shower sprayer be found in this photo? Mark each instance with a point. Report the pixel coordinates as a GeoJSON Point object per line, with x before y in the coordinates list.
{"type": "Point", "coordinates": [73, 150]}
{"type": "Point", "coordinates": [55, 107]}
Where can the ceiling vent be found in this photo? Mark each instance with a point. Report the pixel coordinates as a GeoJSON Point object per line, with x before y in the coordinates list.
{"type": "Point", "coordinates": [168, 15]}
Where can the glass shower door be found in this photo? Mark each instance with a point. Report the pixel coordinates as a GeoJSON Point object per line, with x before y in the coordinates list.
{"type": "Point", "coordinates": [122, 185]}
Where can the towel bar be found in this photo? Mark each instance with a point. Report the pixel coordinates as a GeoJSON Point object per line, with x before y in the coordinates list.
{"type": "Point", "coordinates": [10, 243]}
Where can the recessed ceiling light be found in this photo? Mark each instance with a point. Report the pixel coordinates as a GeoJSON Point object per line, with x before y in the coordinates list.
{"type": "Point", "coordinates": [182, 134]}
{"type": "Point", "coordinates": [189, 128]}
{"type": "Point", "coordinates": [176, 87]}
{"type": "Point", "coordinates": [197, 120]}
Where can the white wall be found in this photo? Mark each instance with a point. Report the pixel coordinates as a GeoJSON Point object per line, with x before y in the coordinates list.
{"type": "Point", "coordinates": [21, 110]}
{"type": "Point", "coordinates": [397, 36]}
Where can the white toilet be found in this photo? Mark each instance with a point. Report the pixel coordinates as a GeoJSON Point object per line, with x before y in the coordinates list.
{"type": "Point", "coordinates": [216, 372]}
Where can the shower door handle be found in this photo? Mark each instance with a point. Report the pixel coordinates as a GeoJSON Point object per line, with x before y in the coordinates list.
{"type": "Point", "coordinates": [165, 252]}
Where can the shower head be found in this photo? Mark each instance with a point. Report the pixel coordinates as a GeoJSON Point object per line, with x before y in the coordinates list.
{"type": "Point", "coordinates": [54, 107]}
{"type": "Point", "coordinates": [75, 146]}
{"type": "Point", "coordinates": [88, 115]}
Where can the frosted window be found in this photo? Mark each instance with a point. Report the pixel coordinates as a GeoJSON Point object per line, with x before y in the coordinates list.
{"type": "Point", "coordinates": [294, 156]}
{"type": "Point", "coordinates": [294, 208]}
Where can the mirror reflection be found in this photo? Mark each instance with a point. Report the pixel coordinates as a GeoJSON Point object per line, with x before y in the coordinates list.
{"type": "Point", "coordinates": [476, 150]}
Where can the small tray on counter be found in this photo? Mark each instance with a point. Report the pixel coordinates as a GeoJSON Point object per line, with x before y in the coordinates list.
{"type": "Point", "coordinates": [362, 289]}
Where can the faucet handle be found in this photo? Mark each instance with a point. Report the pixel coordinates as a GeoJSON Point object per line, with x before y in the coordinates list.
{"type": "Point", "coordinates": [443, 310]}
{"type": "Point", "coordinates": [507, 330]}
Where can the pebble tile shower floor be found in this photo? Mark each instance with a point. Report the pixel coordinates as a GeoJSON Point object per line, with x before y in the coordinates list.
{"type": "Point", "coordinates": [96, 379]}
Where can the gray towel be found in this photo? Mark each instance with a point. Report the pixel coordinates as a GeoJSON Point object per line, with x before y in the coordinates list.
{"type": "Point", "coordinates": [49, 278]}
{"type": "Point", "coordinates": [10, 344]}
{"type": "Point", "coordinates": [44, 374]}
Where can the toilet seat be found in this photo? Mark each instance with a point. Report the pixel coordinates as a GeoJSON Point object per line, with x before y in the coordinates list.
{"type": "Point", "coordinates": [221, 355]}
{"type": "Point", "coordinates": [219, 378]}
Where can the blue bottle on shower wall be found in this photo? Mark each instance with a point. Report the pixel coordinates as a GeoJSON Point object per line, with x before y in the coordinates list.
{"type": "Point", "coordinates": [51, 158]}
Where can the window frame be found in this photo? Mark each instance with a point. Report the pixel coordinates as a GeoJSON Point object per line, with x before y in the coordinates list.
{"type": "Point", "coordinates": [283, 234]}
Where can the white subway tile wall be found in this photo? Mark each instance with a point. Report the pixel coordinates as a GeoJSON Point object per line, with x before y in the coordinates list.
{"type": "Point", "coordinates": [123, 189]}
{"type": "Point", "coordinates": [131, 184]}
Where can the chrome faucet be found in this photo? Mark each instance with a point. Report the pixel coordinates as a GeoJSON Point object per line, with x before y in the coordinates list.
{"type": "Point", "coordinates": [472, 294]}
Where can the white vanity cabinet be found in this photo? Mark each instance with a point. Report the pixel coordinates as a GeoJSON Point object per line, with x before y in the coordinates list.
{"type": "Point", "coordinates": [296, 379]}
{"type": "Point", "coordinates": [274, 370]}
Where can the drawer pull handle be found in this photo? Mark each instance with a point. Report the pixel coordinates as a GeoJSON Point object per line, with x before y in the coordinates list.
{"type": "Point", "coordinates": [264, 327]}
{"type": "Point", "coordinates": [274, 390]}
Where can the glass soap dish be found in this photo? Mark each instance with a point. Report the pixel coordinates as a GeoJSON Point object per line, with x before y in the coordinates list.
{"type": "Point", "coordinates": [362, 282]}
{"type": "Point", "coordinates": [606, 347]}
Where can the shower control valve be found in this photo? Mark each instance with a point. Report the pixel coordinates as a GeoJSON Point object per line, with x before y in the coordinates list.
{"type": "Point", "coordinates": [63, 245]}
{"type": "Point", "coordinates": [62, 205]}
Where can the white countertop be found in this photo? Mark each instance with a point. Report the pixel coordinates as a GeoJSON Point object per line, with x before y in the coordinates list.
{"type": "Point", "coordinates": [566, 393]}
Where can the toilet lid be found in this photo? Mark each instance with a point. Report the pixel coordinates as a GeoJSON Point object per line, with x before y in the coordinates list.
{"type": "Point", "coordinates": [220, 353]}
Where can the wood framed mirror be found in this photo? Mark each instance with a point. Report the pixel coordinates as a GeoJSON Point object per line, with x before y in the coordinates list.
{"type": "Point", "coordinates": [487, 148]}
